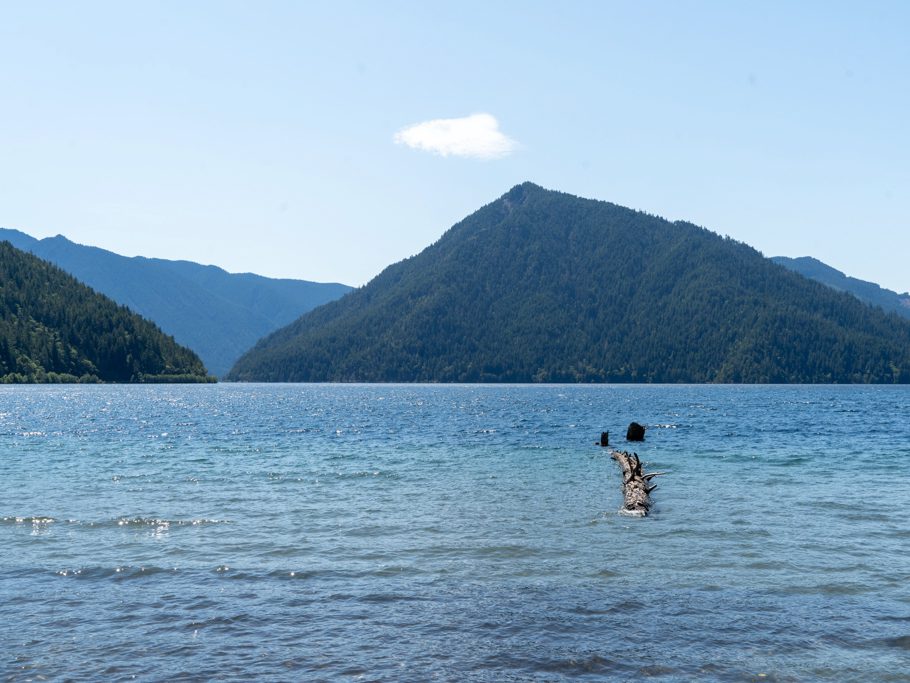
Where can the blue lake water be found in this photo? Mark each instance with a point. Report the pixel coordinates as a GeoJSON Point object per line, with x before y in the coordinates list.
{"type": "Point", "coordinates": [454, 533]}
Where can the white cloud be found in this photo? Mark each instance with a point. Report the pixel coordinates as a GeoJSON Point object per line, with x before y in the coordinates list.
{"type": "Point", "coordinates": [476, 136]}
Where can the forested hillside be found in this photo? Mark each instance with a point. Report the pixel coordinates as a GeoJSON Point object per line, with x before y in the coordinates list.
{"type": "Point", "coordinates": [869, 292]}
{"type": "Point", "coordinates": [541, 286]}
{"type": "Point", "coordinates": [55, 329]}
{"type": "Point", "coordinates": [217, 314]}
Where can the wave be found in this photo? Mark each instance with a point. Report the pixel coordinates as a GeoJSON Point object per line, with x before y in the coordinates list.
{"type": "Point", "coordinates": [29, 519]}
{"type": "Point", "coordinates": [158, 522]}
{"type": "Point", "coordinates": [120, 572]}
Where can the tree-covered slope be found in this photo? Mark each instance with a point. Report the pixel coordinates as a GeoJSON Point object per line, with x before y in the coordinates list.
{"type": "Point", "coordinates": [541, 286]}
{"type": "Point", "coordinates": [869, 292]}
{"type": "Point", "coordinates": [53, 328]}
{"type": "Point", "coordinates": [217, 314]}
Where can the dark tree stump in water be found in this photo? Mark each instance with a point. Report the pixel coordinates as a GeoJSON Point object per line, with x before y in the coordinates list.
{"type": "Point", "coordinates": [605, 439]}
{"type": "Point", "coordinates": [636, 432]}
{"type": "Point", "coordinates": [635, 489]}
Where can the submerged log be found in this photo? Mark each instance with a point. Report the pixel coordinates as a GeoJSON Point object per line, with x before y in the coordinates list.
{"type": "Point", "coordinates": [635, 489]}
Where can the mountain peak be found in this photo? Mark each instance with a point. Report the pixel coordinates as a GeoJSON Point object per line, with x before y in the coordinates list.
{"type": "Point", "coordinates": [15, 237]}
{"type": "Point", "coordinates": [217, 314]}
{"type": "Point", "coordinates": [544, 286]}
{"type": "Point", "coordinates": [519, 194]}
{"type": "Point", "coordinates": [528, 186]}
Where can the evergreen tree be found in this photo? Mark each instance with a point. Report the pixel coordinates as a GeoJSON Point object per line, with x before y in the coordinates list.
{"type": "Point", "coordinates": [541, 286]}
{"type": "Point", "coordinates": [55, 329]}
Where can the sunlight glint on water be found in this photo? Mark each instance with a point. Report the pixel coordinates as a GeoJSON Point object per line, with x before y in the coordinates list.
{"type": "Point", "coordinates": [452, 532]}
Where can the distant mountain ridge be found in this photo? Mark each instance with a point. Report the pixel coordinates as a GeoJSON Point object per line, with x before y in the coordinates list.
{"type": "Point", "coordinates": [869, 292]}
{"type": "Point", "coordinates": [542, 286]}
{"type": "Point", "coordinates": [56, 329]}
{"type": "Point", "coordinates": [217, 314]}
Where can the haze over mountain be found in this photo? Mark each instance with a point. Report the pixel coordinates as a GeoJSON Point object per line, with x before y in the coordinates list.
{"type": "Point", "coordinates": [541, 286]}
{"type": "Point", "coordinates": [56, 329]}
{"type": "Point", "coordinates": [869, 292]}
{"type": "Point", "coordinates": [217, 314]}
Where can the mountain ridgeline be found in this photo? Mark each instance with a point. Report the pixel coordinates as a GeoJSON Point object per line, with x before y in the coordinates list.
{"type": "Point", "coordinates": [541, 286]}
{"type": "Point", "coordinates": [53, 328]}
{"type": "Point", "coordinates": [869, 292]}
{"type": "Point", "coordinates": [217, 314]}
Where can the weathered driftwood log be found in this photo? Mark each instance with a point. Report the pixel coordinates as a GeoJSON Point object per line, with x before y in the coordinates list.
{"type": "Point", "coordinates": [635, 488]}
{"type": "Point", "coordinates": [635, 432]}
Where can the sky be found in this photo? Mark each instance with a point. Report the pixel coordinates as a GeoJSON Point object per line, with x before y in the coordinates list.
{"type": "Point", "coordinates": [325, 141]}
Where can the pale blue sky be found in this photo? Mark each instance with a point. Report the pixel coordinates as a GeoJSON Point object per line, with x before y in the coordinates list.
{"type": "Point", "coordinates": [260, 136]}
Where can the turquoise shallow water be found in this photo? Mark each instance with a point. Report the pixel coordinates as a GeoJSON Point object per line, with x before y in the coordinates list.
{"type": "Point", "coordinates": [344, 532]}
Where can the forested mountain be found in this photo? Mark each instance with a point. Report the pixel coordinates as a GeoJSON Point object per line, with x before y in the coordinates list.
{"type": "Point", "coordinates": [541, 286]}
{"type": "Point", "coordinates": [217, 314]}
{"type": "Point", "coordinates": [869, 292]}
{"type": "Point", "coordinates": [55, 329]}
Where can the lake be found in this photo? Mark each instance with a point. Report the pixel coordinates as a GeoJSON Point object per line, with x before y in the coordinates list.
{"type": "Point", "coordinates": [453, 533]}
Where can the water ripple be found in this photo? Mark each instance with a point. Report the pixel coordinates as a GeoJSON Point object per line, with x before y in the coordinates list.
{"type": "Point", "coordinates": [452, 533]}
